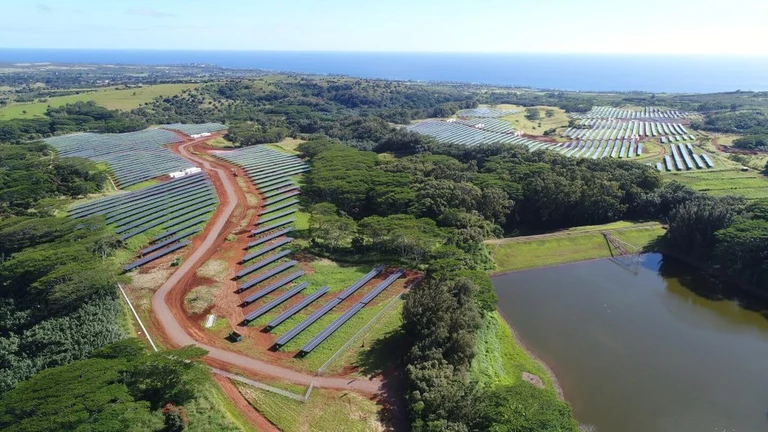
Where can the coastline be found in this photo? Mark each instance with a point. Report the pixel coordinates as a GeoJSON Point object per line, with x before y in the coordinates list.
{"type": "Point", "coordinates": [552, 376]}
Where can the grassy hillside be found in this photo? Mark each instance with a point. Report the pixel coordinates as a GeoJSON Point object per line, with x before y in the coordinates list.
{"type": "Point", "coordinates": [123, 99]}
{"type": "Point", "coordinates": [577, 244]}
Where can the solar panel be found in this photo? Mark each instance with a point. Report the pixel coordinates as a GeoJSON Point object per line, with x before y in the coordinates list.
{"type": "Point", "coordinates": [293, 310]}
{"type": "Point", "coordinates": [150, 258]}
{"type": "Point", "coordinates": [264, 276]}
{"type": "Point", "coordinates": [275, 303]}
{"type": "Point", "coordinates": [288, 279]}
{"type": "Point", "coordinates": [278, 207]}
{"type": "Point", "coordinates": [264, 250]}
{"type": "Point", "coordinates": [277, 216]}
{"type": "Point", "coordinates": [326, 332]}
{"type": "Point", "coordinates": [269, 237]}
{"type": "Point", "coordinates": [169, 241]}
{"type": "Point", "coordinates": [271, 227]}
{"type": "Point", "coordinates": [265, 262]}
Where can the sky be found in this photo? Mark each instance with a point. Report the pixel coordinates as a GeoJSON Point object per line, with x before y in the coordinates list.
{"type": "Point", "coordinates": [734, 27]}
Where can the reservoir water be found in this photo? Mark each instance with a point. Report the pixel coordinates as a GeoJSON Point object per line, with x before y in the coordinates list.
{"type": "Point", "coordinates": [648, 346]}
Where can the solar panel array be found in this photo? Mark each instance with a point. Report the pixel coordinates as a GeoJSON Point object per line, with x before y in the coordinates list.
{"type": "Point", "coordinates": [194, 129]}
{"type": "Point", "coordinates": [268, 278]}
{"type": "Point", "coordinates": [267, 258]}
{"type": "Point", "coordinates": [485, 112]}
{"type": "Point", "coordinates": [177, 207]}
{"type": "Point", "coordinates": [599, 149]}
{"type": "Point", "coordinates": [606, 112]}
{"type": "Point", "coordinates": [623, 129]}
{"type": "Point", "coordinates": [133, 157]}
{"type": "Point", "coordinates": [465, 133]}
{"type": "Point", "coordinates": [683, 158]}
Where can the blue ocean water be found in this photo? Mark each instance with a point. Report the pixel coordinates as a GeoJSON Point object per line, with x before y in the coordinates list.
{"type": "Point", "coordinates": [652, 73]}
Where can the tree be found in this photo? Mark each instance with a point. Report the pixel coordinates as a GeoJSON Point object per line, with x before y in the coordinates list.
{"type": "Point", "coordinates": [328, 227]}
{"type": "Point", "coordinates": [164, 377]}
{"type": "Point", "coordinates": [532, 114]}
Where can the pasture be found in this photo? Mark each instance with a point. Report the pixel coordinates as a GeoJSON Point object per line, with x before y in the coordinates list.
{"type": "Point", "coordinates": [559, 119]}
{"type": "Point", "coordinates": [121, 99]}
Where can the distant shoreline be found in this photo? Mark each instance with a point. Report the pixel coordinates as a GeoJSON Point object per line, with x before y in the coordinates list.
{"type": "Point", "coordinates": [565, 72]}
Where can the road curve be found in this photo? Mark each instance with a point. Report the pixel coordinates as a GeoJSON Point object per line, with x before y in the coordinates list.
{"type": "Point", "coordinates": [222, 358]}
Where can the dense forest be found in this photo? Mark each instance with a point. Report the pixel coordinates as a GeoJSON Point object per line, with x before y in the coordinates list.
{"type": "Point", "coordinates": [77, 117]}
{"type": "Point", "coordinates": [118, 388]}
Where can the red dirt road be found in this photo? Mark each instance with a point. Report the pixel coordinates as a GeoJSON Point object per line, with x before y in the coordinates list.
{"type": "Point", "coordinates": [262, 424]}
{"type": "Point", "coordinates": [166, 304]}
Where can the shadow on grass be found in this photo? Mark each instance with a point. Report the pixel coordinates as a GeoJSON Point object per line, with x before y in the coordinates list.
{"type": "Point", "coordinates": [382, 354]}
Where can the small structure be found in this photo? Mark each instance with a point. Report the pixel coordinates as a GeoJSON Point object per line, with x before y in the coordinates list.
{"type": "Point", "coordinates": [184, 172]}
{"type": "Point", "coordinates": [234, 336]}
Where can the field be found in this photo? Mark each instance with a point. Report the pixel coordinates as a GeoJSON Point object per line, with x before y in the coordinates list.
{"type": "Point", "coordinates": [122, 99]}
{"type": "Point", "coordinates": [730, 181]}
{"type": "Point", "coordinates": [326, 410]}
{"type": "Point", "coordinates": [287, 145]}
{"type": "Point", "coordinates": [578, 244]}
{"type": "Point", "coordinates": [213, 411]}
{"type": "Point", "coordinates": [536, 127]}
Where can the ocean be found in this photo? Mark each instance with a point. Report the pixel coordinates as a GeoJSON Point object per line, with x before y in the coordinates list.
{"type": "Point", "coordinates": [649, 73]}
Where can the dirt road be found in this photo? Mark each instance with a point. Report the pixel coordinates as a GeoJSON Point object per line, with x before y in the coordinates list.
{"type": "Point", "coordinates": [168, 318]}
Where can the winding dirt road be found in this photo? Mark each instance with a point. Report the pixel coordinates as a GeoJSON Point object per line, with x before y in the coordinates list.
{"type": "Point", "coordinates": [167, 320]}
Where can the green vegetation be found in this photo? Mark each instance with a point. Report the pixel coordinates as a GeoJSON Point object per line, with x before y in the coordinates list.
{"type": "Point", "coordinates": [728, 233]}
{"type": "Point", "coordinates": [119, 388]}
{"type": "Point", "coordinates": [121, 99]}
{"type": "Point", "coordinates": [326, 410]}
{"type": "Point", "coordinates": [33, 178]}
{"type": "Point", "coordinates": [538, 120]}
{"type": "Point", "coordinates": [752, 142]}
{"type": "Point", "coordinates": [501, 359]}
{"type": "Point", "coordinates": [77, 117]}
{"type": "Point", "coordinates": [142, 185]}
{"type": "Point", "coordinates": [723, 182]}
{"type": "Point", "coordinates": [567, 246]}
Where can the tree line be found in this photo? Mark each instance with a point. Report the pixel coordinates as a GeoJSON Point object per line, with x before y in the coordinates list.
{"type": "Point", "coordinates": [77, 117]}
{"type": "Point", "coordinates": [118, 387]}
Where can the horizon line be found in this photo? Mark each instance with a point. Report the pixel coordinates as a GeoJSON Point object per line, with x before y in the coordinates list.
{"type": "Point", "coordinates": [324, 51]}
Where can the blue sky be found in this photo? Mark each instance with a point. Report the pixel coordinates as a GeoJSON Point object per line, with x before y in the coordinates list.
{"type": "Point", "coordinates": [540, 26]}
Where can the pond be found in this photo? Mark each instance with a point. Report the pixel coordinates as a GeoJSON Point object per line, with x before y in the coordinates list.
{"type": "Point", "coordinates": [644, 344]}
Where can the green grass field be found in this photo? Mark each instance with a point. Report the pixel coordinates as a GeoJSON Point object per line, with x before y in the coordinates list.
{"type": "Point", "coordinates": [287, 145]}
{"type": "Point", "coordinates": [559, 120]}
{"type": "Point", "coordinates": [326, 410]}
{"type": "Point", "coordinates": [579, 244]}
{"type": "Point", "coordinates": [213, 411]}
{"type": "Point", "coordinates": [501, 359]}
{"type": "Point", "coordinates": [123, 99]}
{"type": "Point", "coordinates": [726, 181]}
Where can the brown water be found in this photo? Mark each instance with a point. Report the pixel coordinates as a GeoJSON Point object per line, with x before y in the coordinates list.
{"type": "Point", "coordinates": [647, 348]}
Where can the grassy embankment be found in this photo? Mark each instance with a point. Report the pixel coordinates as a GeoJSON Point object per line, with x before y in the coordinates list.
{"type": "Point", "coordinates": [575, 244]}
{"type": "Point", "coordinates": [212, 410]}
{"type": "Point", "coordinates": [122, 99]}
{"type": "Point", "coordinates": [502, 360]}
{"type": "Point", "coordinates": [326, 410]}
